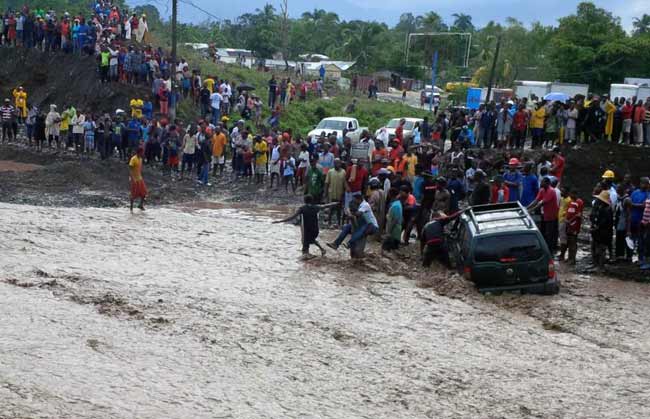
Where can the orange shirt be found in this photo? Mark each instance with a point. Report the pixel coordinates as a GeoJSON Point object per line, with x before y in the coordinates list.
{"type": "Point", "coordinates": [218, 144]}
{"type": "Point", "coordinates": [400, 165]}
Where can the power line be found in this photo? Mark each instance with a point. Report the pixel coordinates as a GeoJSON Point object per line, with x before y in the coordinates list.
{"type": "Point", "coordinates": [190, 3]}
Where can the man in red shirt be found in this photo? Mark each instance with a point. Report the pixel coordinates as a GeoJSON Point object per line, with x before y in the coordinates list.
{"type": "Point", "coordinates": [356, 178]}
{"type": "Point", "coordinates": [573, 225]}
{"type": "Point", "coordinates": [396, 151]}
{"type": "Point", "coordinates": [638, 117]}
{"type": "Point", "coordinates": [399, 131]}
{"type": "Point", "coordinates": [519, 125]}
{"type": "Point", "coordinates": [626, 115]}
{"type": "Point", "coordinates": [557, 169]}
{"type": "Point", "coordinates": [547, 198]}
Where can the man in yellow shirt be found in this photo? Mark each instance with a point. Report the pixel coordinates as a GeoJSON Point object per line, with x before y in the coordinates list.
{"type": "Point", "coordinates": [136, 108]}
{"type": "Point", "coordinates": [20, 97]}
{"type": "Point", "coordinates": [411, 161]}
{"type": "Point", "coordinates": [218, 151]}
{"type": "Point", "coordinates": [565, 200]}
{"type": "Point", "coordinates": [260, 150]}
{"type": "Point", "coordinates": [537, 124]}
{"type": "Point", "coordinates": [138, 187]}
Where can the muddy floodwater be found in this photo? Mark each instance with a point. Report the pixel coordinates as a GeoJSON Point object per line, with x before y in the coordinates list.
{"type": "Point", "coordinates": [183, 312]}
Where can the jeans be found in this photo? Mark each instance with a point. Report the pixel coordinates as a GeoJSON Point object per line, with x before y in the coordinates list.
{"type": "Point", "coordinates": [216, 115]}
{"type": "Point", "coordinates": [643, 244]}
{"type": "Point", "coordinates": [550, 232]}
{"type": "Point", "coordinates": [362, 230]}
{"type": "Point", "coordinates": [205, 170]}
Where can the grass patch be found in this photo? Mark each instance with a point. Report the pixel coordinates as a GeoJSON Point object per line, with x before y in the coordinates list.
{"type": "Point", "coordinates": [300, 116]}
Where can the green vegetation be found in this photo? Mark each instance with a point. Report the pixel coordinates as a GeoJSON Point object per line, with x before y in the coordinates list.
{"type": "Point", "coordinates": [303, 116]}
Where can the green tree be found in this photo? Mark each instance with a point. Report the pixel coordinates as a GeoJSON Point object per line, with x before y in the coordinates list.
{"type": "Point", "coordinates": [462, 23]}
{"type": "Point", "coordinates": [641, 25]}
{"type": "Point", "coordinates": [590, 47]}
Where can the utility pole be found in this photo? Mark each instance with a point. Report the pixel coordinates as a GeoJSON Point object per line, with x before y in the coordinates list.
{"type": "Point", "coordinates": [174, 34]}
{"type": "Point", "coordinates": [494, 67]}
{"type": "Point", "coordinates": [434, 69]}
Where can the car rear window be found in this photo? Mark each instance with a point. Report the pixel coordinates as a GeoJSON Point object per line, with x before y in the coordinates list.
{"type": "Point", "coordinates": [508, 248]}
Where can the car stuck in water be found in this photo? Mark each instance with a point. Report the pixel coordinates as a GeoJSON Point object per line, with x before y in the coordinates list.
{"type": "Point", "coordinates": [499, 248]}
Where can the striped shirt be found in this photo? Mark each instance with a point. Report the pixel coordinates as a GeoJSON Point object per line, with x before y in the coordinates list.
{"type": "Point", "coordinates": [646, 213]}
{"type": "Point", "coordinates": [7, 113]}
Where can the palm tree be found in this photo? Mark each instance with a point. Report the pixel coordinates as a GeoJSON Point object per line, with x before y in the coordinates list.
{"type": "Point", "coordinates": [463, 22]}
{"type": "Point", "coordinates": [433, 22]}
{"type": "Point", "coordinates": [360, 42]}
{"type": "Point", "coordinates": [641, 25]}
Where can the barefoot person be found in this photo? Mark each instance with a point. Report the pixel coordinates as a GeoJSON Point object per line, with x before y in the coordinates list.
{"type": "Point", "coordinates": [138, 188]}
{"type": "Point", "coordinates": [309, 213]}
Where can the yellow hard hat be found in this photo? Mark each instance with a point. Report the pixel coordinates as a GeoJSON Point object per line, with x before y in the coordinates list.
{"type": "Point", "coordinates": [608, 174]}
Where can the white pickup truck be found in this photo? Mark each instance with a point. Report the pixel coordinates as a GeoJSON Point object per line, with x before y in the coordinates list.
{"type": "Point", "coordinates": [336, 125]}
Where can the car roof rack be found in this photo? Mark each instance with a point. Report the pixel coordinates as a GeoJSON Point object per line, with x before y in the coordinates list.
{"type": "Point", "coordinates": [508, 207]}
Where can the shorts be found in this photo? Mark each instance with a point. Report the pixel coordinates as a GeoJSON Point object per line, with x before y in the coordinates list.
{"type": "Point", "coordinates": [627, 126]}
{"type": "Point", "coordinates": [275, 168]}
{"type": "Point", "coordinates": [90, 143]}
{"type": "Point", "coordinates": [260, 169]}
{"type": "Point", "coordinates": [173, 161]}
{"type": "Point", "coordinates": [138, 189]}
{"type": "Point", "coordinates": [538, 132]}
{"type": "Point", "coordinates": [219, 160]}
{"type": "Point", "coordinates": [134, 143]}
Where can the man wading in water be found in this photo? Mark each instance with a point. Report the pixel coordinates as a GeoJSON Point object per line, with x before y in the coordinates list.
{"type": "Point", "coordinates": [138, 188]}
{"type": "Point", "coordinates": [309, 227]}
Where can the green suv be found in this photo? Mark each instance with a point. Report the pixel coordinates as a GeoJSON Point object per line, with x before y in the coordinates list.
{"type": "Point", "coordinates": [499, 248]}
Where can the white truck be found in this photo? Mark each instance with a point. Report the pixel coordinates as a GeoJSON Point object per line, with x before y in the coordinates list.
{"type": "Point", "coordinates": [524, 88]}
{"type": "Point", "coordinates": [336, 125]}
{"type": "Point", "coordinates": [570, 89]}
{"type": "Point", "coordinates": [628, 91]}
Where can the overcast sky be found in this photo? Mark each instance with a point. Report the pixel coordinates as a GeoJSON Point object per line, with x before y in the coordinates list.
{"type": "Point", "coordinates": [482, 11]}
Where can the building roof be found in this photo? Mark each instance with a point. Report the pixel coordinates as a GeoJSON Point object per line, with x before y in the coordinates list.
{"type": "Point", "coordinates": [234, 52]}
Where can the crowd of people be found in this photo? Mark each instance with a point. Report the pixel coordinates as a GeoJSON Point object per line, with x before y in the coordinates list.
{"type": "Point", "coordinates": [581, 120]}
{"type": "Point", "coordinates": [47, 30]}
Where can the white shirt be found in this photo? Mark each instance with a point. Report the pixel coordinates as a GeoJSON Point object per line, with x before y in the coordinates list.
{"type": "Point", "coordinates": [366, 211]}
{"type": "Point", "coordinates": [216, 99]}
{"type": "Point", "coordinates": [303, 158]}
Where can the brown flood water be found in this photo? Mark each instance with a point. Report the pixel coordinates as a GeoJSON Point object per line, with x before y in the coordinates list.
{"type": "Point", "coordinates": [209, 313]}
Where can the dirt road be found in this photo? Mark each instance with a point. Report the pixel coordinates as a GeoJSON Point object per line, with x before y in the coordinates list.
{"type": "Point", "coordinates": [181, 312]}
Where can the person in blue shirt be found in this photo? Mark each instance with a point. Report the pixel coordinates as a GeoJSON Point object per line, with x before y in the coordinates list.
{"type": "Point", "coordinates": [134, 130]}
{"type": "Point", "coordinates": [82, 35]}
{"type": "Point", "coordinates": [638, 199]}
{"type": "Point", "coordinates": [530, 186]}
{"type": "Point", "coordinates": [513, 179]}
{"type": "Point", "coordinates": [147, 110]}
{"type": "Point", "coordinates": [418, 184]}
{"type": "Point", "coordinates": [487, 124]}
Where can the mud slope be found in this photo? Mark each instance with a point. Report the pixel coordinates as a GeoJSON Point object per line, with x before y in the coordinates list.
{"type": "Point", "coordinates": [586, 165]}
{"type": "Point", "coordinates": [62, 79]}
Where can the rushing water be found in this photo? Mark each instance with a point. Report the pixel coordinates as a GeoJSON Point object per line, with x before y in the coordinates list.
{"type": "Point", "coordinates": [209, 313]}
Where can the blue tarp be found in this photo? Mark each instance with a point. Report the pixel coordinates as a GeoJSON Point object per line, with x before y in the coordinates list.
{"type": "Point", "coordinates": [473, 98]}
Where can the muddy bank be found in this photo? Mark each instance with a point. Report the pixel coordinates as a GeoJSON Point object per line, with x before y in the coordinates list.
{"type": "Point", "coordinates": [64, 179]}
{"type": "Point", "coordinates": [209, 313]}
{"type": "Point", "coordinates": [62, 79]}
